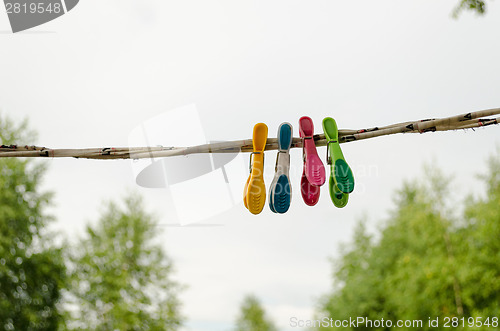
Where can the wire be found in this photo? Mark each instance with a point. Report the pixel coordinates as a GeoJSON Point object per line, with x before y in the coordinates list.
{"type": "Point", "coordinates": [464, 121]}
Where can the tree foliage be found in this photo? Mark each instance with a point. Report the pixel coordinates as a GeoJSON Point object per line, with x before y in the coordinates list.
{"type": "Point", "coordinates": [120, 277]}
{"type": "Point", "coordinates": [481, 247]}
{"type": "Point", "coordinates": [477, 6]}
{"type": "Point", "coordinates": [252, 316]}
{"type": "Point", "coordinates": [31, 271]}
{"type": "Point", "coordinates": [425, 263]}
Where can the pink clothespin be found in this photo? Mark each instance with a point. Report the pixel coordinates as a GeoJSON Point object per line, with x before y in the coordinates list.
{"type": "Point", "coordinates": [313, 175]}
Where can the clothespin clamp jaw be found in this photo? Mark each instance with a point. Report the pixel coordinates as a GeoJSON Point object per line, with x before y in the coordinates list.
{"type": "Point", "coordinates": [251, 154]}
{"type": "Point", "coordinates": [304, 147]}
{"type": "Point", "coordinates": [328, 156]}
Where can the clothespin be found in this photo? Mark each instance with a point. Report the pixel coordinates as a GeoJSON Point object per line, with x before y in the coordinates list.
{"type": "Point", "coordinates": [341, 181]}
{"type": "Point", "coordinates": [313, 175]}
{"type": "Point", "coordinates": [280, 191]}
{"type": "Point", "coordinates": [254, 196]}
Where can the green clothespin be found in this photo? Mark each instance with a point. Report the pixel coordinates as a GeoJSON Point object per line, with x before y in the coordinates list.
{"type": "Point", "coordinates": [341, 177]}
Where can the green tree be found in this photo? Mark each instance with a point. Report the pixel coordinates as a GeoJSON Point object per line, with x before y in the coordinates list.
{"type": "Point", "coordinates": [31, 271]}
{"type": "Point", "coordinates": [426, 263]}
{"type": "Point", "coordinates": [481, 247]}
{"type": "Point", "coordinates": [252, 316]}
{"type": "Point", "coordinates": [121, 277]}
{"type": "Point", "coordinates": [477, 6]}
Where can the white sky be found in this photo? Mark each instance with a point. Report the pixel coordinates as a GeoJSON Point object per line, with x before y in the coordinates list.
{"type": "Point", "coordinates": [88, 78]}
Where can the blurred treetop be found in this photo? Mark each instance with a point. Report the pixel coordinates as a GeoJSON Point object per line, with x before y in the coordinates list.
{"type": "Point", "coordinates": [31, 270]}
{"type": "Point", "coordinates": [121, 279]}
{"type": "Point", "coordinates": [427, 262]}
{"type": "Point", "coordinates": [252, 316]}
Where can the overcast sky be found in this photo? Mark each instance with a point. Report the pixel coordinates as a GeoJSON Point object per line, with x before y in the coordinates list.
{"type": "Point", "coordinates": [90, 77]}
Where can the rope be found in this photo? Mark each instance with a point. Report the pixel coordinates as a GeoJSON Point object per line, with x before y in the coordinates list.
{"type": "Point", "coordinates": [464, 121]}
